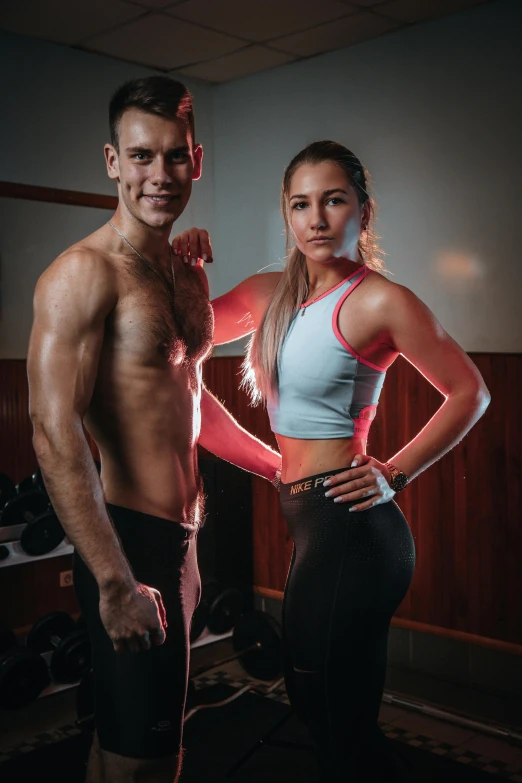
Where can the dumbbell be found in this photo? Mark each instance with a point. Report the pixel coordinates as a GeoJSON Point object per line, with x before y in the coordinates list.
{"type": "Point", "coordinates": [209, 592]}
{"type": "Point", "coordinates": [7, 489]}
{"type": "Point", "coordinates": [23, 673]}
{"type": "Point", "coordinates": [225, 611]}
{"type": "Point", "coordinates": [71, 650]}
{"type": "Point", "coordinates": [218, 610]}
{"type": "Point", "coordinates": [42, 532]}
{"type": "Point", "coordinates": [257, 646]}
{"type": "Point", "coordinates": [25, 485]}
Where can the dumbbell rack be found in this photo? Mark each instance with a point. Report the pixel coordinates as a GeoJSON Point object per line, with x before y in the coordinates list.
{"type": "Point", "coordinates": [10, 538]}
{"type": "Point", "coordinates": [55, 687]}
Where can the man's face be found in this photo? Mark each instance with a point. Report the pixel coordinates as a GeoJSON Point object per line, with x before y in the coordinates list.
{"type": "Point", "coordinates": [155, 166]}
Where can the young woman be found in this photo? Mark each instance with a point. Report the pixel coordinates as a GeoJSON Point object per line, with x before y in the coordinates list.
{"type": "Point", "coordinates": [326, 330]}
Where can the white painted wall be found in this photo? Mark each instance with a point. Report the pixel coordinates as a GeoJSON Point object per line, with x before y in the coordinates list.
{"type": "Point", "coordinates": [54, 126]}
{"type": "Point", "coordinates": [433, 111]}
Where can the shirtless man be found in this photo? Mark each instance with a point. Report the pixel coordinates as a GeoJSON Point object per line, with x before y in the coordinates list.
{"type": "Point", "coordinates": [121, 328]}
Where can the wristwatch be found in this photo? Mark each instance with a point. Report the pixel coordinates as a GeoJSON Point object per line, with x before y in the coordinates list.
{"type": "Point", "coordinates": [398, 479]}
{"type": "Point", "coordinates": [276, 481]}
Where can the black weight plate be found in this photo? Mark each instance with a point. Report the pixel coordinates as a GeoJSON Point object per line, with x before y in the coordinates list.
{"type": "Point", "coordinates": [210, 590]}
{"type": "Point", "coordinates": [225, 611]}
{"type": "Point", "coordinates": [7, 489]}
{"type": "Point", "coordinates": [39, 482]}
{"type": "Point", "coordinates": [42, 535]}
{"type": "Point", "coordinates": [199, 620]}
{"type": "Point", "coordinates": [23, 676]}
{"type": "Point", "coordinates": [264, 662]}
{"type": "Point", "coordinates": [7, 640]}
{"type": "Point", "coordinates": [32, 504]}
{"type": "Point", "coordinates": [85, 703]}
{"type": "Point", "coordinates": [53, 624]}
{"type": "Point", "coordinates": [72, 658]}
{"type": "Point", "coordinates": [25, 485]}
{"type": "Point", "coordinates": [4, 552]}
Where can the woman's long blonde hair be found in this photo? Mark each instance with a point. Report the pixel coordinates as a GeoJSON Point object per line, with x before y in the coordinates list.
{"type": "Point", "coordinates": [259, 368]}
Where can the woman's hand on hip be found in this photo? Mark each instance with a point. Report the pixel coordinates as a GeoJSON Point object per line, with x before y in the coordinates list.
{"type": "Point", "coordinates": [369, 479]}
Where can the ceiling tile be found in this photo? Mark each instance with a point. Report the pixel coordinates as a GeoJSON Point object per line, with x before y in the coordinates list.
{"type": "Point", "coordinates": [155, 5]}
{"type": "Point", "coordinates": [163, 42]}
{"type": "Point", "coordinates": [413, 11]}
{"type": "Point", "coordinates": [65, 21]}
{"type": "Point", "coordinates": [260, 21]}
{"type": "Point", "coordinates": [234, 66]}
{"type": "Point", "coordinates": [335, 35]}
{"type": "Point", "coordinates": [364, 3]}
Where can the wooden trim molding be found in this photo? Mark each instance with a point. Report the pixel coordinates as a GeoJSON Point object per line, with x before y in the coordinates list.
{"type": "Point", "coordinates": [411, 625]}
{"type": "Point", "coordinates": [76, 198]}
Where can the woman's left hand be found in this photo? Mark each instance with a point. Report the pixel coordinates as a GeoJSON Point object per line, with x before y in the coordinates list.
{"type": "Point", "coordinates": [369, 479]}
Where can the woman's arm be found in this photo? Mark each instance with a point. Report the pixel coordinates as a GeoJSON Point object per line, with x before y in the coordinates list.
{"type": "Point", "coordinates": [412, 330]}
{"type": "Point", "coordinates": [418, 336]}
{"type": "Point", "coordinates": [240, 311]}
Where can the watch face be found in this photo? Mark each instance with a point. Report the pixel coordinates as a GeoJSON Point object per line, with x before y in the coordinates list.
{"type": "Point", "coordinates": [399, 481]}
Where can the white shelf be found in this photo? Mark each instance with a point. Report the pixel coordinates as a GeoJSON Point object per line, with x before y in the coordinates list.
{"type": "Point", "coordinates": [17, 556]}
{"type": "Point", "coordinates": [11, 532]}
{"type": "Point", "coordinates": [56, 687]}
{"type": "Point", "coordinates": [209, 638]}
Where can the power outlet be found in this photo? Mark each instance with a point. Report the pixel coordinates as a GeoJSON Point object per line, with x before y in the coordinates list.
{"type": "Point", "coordinates": [66, 578]}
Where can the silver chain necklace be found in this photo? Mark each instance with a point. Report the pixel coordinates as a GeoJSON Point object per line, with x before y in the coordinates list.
{"type": "Point", "coordinates": [171, 295]}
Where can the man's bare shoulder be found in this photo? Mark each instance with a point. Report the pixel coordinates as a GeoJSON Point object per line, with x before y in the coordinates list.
{"type": "Point", "coordinates": [84, 271]}
{"type": "Point", "coordinates": [85, 262]}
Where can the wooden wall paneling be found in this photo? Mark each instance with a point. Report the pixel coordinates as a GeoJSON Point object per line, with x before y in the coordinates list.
{"type": "Point", "coordinates": [409, 625]}
{"type": "Point", "coordinates": [507, 482]}
{"type": "Point", "coordinates": [466, 527]}
{"type": "Point", "coordinates": [17, 457]}
{"type": "Point", "coordinates": [76, 198]}
{"type": "Point", "coordinates": [464, 512]}
{"type": "Point", "coordinates": [31, 590]}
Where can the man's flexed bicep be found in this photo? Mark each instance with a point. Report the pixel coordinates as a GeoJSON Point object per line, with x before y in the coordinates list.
{"type": "Point", "coordinates": [71, 302]}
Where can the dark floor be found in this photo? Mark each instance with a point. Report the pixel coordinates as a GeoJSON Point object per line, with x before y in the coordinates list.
{"type": "Point", "coordinates": [51, 719]}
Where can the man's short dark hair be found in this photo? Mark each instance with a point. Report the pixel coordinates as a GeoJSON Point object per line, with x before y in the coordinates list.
{"type": "Point", "coordinates": [156, 95]}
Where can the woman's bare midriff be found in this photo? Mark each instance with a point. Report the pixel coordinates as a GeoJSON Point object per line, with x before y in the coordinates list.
{"type": "Point", "coordinates": [302, 458]}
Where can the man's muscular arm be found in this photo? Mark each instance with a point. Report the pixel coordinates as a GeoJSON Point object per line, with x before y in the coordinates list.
{"type": "Point", "coordinates": [72, 300]}
{"type": "Point", "coordinates": [224, 437]}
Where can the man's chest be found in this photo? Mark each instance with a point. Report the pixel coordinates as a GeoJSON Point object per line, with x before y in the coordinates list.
{"type": "Point", "coordinates": [151, 324]}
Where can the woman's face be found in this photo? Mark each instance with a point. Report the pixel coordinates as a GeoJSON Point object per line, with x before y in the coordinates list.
{"type": "Point", "coordinates": [324, 212]}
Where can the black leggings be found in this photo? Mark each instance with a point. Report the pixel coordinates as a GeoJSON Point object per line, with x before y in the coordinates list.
{"type": "Point", "coordinates": [349, 573]}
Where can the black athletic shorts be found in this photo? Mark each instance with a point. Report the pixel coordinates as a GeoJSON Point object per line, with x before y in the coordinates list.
{"type": "Point", "coordinates": [140, 697]}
